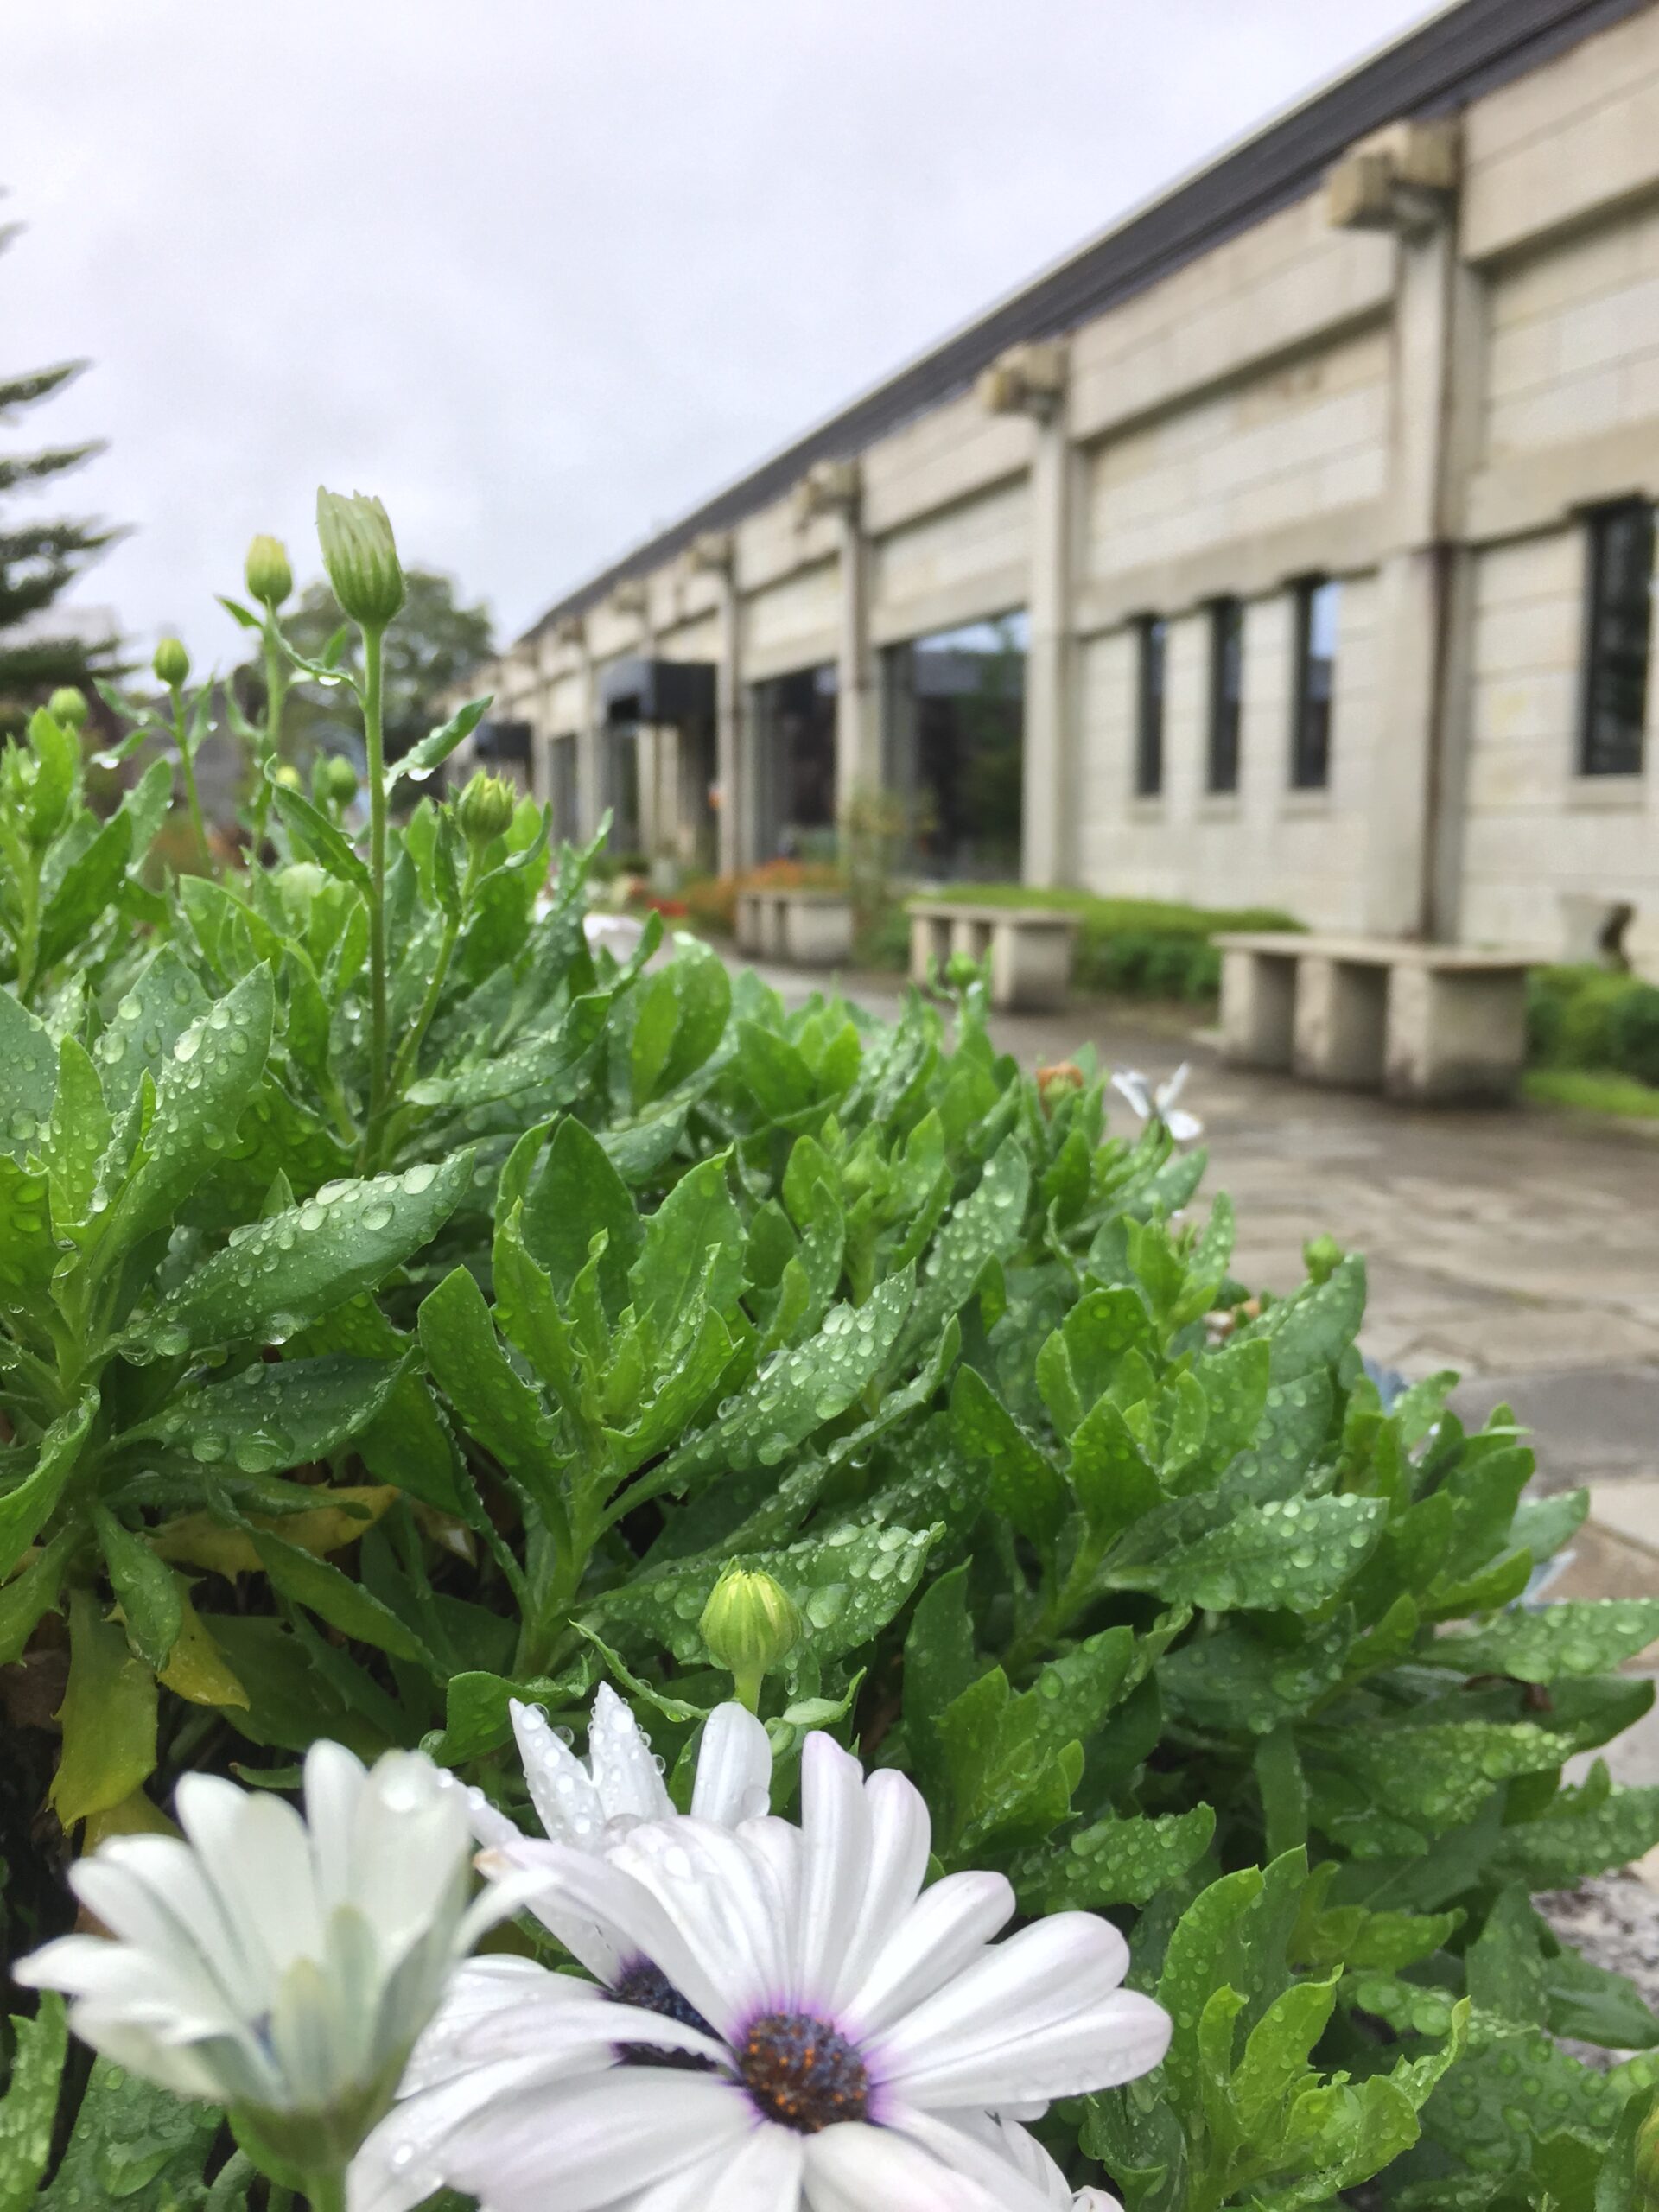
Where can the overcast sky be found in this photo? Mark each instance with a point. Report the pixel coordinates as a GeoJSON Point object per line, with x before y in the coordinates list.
{"type": "Point", "coordinates": [545, 272]}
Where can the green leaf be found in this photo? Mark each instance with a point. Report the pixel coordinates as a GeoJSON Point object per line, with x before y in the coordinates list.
{"type": "Point", "coordinates": [76, 1136]}
{"type": "Point", "coordinates": [578, 1196]}
{"type": "Point", "coordinates": [940, 1662]}
{"type": "Point", "coordinates": [25, 1511]}
{"type": "Point", "coordinates": [88, 884]}
{"type": "Point", "coordinates": [1579, 1836]}
{"type": "Point", "coordinates": [1543, 1644]}
{"type": "Point", "coordinates": [1109, 1473]}
{"type": "Point", "coordinates": [134, 2146]}
{"type": "Point", "coordinates": [1125, 1861]}
{"type": "Point", "coordinates": [108, 1717]}
{"type": "Point", "coordinates": [29, 2106]}
{"type": "Point", "coordinates": [312, 830]}
{"type": "Point", "coordinates": [32, 1592]}
{"type": "Point", "coordinates": [497, 1405]}
{"type": "Point", "coordinates": [434, 748]}
{"type": "Point", "coordinates": [986, 1225]}
{"type": "Point", "coordinates": [477, 1718]}
{"type": "Point", "coordinates": [216, 1066]}
{"type": "Point", "coordinates": [1314, 1328]}
{"type": "Point", "coordinates": [1297, 1553]}
{"type": "Point", "coordinates": [681, 1017]}
{"type": "Point", "coordinates": [270, 1417]}
{"type": "Point", "coordinates": [145, 1586]}
{"type": "Point", "coordinates": [29, 1074]}
{"type": "Point", "coordinates": [797, 1392]}
{"type": "Point", "coordinates": [284, 1271]}
{"type": "Point", "coordinates": [1024, 1486]}
{"type": "Point", "coordinates": [57, 769]}
{"type": "Point", "coordinates": [28, 1250]}
{"type": "Point", "coordinates": [161, 1002]}
{"type": "Point", "coordinates": [335, 1598]}
{"type": "Point", "coordinates": [1277, 2051]}
{"type": "Point", "coordinates": [695, 1223]}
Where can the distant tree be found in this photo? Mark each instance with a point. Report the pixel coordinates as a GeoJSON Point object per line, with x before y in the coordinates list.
{"type": "Point", "coordinates": [430, 647]}
{"type": "Point", "coordinates": [39, 560]}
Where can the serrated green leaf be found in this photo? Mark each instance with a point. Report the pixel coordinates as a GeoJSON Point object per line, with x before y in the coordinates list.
{"type": "Point", "coordinates": [1024, 1484]}
{"type": "Point", "coordinates": [29, 2106]}
{"type": "Point", "coordinates": [108, 1717]}
{"type": "Point", "coordinates": [1544, 1643]}
{"type": "Point", "coordinates": [274, 1416]}
{"type": "Point", "coordinates": [1124, 1861]}
{"type": "Point", "coordinates": [144, 1586]}
{"type": "Point", "coordinates": [1292, 1552]}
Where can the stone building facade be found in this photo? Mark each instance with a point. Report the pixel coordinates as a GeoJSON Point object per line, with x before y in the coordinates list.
{"type": "Point", "coordinates": [1317, 498]}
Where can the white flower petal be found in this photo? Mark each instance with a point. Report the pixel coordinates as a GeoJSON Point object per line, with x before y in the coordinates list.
{"type": "Point", "coordinates": [587, 2144]}
{"type": "Point", "coordinates": [734, 1768]}
{"type": "Point", "coordinates": [625, 1774]}
{"type": "Point", "coordinates": [601, 1914]}
{"type": "Point", "coordinates": [855, 2168]}
{"type": "Point", "coordinates": [835, 1863]}
{"type": "Point", "coordinates": [1011, 2166]}
{"type": "Point", "coordinates": [724, 1939]}
{"type": "Point", "coordinates": [900, 1836]}
{"type": "Point", "coordinates": [401, 2162]}
{"type": "Point", "coordinates": [252, 1846]}
{"type": "Point", "coordinates": [949, 1925]}
{"type": "Point", "coordinates": [334, 1789]}
{"type": "Point", "coordinates": [1038, 2016]}
{"type": "Point", "coordinates": [1183, 1126]}
{"type": "Point", "coordinates": [1169, 1092]}
{"type": "Point", "coordinates": [476, 1989]}
{"type": "Point", "coordinates": [763, 2175]}
{"type": "Point", "coordinates": [561, 1790]}
{"type": "Point", "coordinates": [1130, 1084]}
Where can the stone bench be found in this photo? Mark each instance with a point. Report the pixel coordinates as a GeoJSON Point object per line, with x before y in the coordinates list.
{"type": "Point", "coordinates": [1438, 1024]}
{"type": "Point", "coordinates": [1030, 947]}
{"type": "Point", "coordinates": [810, 929]}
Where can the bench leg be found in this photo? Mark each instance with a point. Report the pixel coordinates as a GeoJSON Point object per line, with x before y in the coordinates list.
{"type": "Point", "coordinates": [930, 940]}
{"type": "Point", "coordinates": [1031, 968]}
{"type": "Point", "coordinates": [1455, 1039]}
{"type": "Point", "coordinates": [1341, 1017]}
{"type": "Point", "coordinates": [1258, 1008]}
{"type": "Point", "coordinates": [748, 936]}
{"type": "Point", "coordinates": [774, 933]}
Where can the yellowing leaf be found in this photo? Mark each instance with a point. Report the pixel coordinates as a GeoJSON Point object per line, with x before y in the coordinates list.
{"type": "Point", "coordinates": [108, 1717]}
{"type": "Point", "coordinates": [134, 1815]}
{"type": "Point", "coordinates": [197, 1540]}
{"type": "Point", "coordinates": [196, 1668]}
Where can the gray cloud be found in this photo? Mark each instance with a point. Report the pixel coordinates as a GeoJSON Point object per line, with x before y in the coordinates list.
{"type": "Point", "coordinates": [543, 275]}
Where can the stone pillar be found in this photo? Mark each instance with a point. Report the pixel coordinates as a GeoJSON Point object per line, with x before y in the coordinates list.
{"type": "Point", "coordinates": [1403, 181]}
{"type": "Point", "coordinates": [589, 805]}
{"type": "Point", "coordinates": [715, 551]}
{"type": "Point", "coordinates": [858, 733]}
{"type": "Point", "coordinates": [1047, 856]}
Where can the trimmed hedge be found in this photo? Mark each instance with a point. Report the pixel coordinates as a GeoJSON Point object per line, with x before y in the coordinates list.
{"type": "Point", "coordinates": [1590, 1017]}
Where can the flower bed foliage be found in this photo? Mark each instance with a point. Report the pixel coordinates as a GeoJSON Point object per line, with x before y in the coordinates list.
{"type": "Point", "coordinates": [405, 1310]}
{"type": "Point", "coordinates": [1593, 1018]}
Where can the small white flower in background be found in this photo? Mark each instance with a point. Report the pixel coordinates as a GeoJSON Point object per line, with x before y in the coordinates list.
{"type": "Point", "coordinates": [617, 934]}
{"type": "Point", "coordinates": [278, 1966]}
{"type": "Point", "coordinates": [1159, 1105]}
{"type": "Point", "coordinates": [798, 2023]}
{"type": "Point", "coordinates": [594, 1804]}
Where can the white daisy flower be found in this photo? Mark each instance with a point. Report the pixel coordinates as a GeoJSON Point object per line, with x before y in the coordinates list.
{"type": "Point", "coordinates": [1159, 1105]}
{"type": "Point", "coordinates": [281, 1965]}
{"type": "Point", "coordinates": [822, 2033]}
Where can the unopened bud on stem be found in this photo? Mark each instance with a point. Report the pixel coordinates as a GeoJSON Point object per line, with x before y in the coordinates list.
{"type": "Point", "coordinates": [485, 809]}
{"type": "Point", "coordinates": [339, 780]}
{"type": "Point", "coordinates": [750, 1624]}
{"type": "Point", "coordinates": [171, 663]}
{"type": "Point", "coordinates": [270, 578]}
{"type": "Point", "coordinates": [68, 706]}
{"type": "Point", "coordinates": [360, 555]}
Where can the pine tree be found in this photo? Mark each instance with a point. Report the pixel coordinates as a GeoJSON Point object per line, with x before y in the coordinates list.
{"type": "Point", "coordinates": [39, 560]}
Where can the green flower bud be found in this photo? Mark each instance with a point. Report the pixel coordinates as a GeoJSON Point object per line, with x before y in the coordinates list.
{"type": "Point", "coordinates": [297, 885]}
{"type": "Point", "coordinates": [962, 970]}
{"type": "Point", "coordinates": [1322, 1256]}
{"type": "Point", "coordinates": [750, 1624]}
{"type": "Point", "coordinates": [288, 776]}
{"type": "Point", "coordinates": [68, 706]}
{"type": "Point", "coordinates": [485, 808]}
{"type": "Point", "coordinates": [171, 663]}
{"type": "Point", "coordinates": [268, 576]}
{"type": "Point", "coordinates": [339, 779]}
{"type": "Point", "coordinates": [360, 556]}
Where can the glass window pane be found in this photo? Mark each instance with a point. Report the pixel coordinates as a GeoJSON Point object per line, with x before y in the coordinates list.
{"type": "Point", "coordinates": [1318, 607]}
{"type": "Point", "coordinates": [1620, 626]}
{"type": "Point", "coordinates": [1149, 720]}
{"type": "Point", "coordinates": [1226, 692]}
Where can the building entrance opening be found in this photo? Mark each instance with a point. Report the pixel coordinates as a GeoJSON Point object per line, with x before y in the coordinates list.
{"type": "Point", "coordinates": [659, 759]}
{"type": "Point", "coordinates": [793, 718]}
{"type": "Point", "coordinates": [954, 727]}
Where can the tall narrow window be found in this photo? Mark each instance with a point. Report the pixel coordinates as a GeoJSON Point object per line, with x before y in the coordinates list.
{"type": "Point", "coordinates": [1226, 692]}
{"type": "Point", "coordinates": [1618, 626]}
{"type": "Point", "coordinates": [1149, 708]}
{"type": "Point", "coordinates": [1317, 605]}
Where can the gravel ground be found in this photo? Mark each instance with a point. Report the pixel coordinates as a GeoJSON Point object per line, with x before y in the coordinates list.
{"type": "Point", "coordinates": [1613, 1919]}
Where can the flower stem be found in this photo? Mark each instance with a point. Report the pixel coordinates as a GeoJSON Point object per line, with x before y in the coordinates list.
{"type": "Point", "coordinates": [326, 2191]}
{"type": "Point", "coordinates": [374, 739]}
{"type": "Point", "coordinates": [191, 793]}
{"type": "Point", "coordinates": [276, 699]}
{"type": "Point", "coordinates": [408, 1052]}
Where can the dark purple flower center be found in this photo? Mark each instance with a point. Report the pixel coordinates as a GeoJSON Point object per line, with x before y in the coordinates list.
{"type": "Point", "coordinates": [802, 2072]}
{"type": "Point", "coordinates": [645, 1986]}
